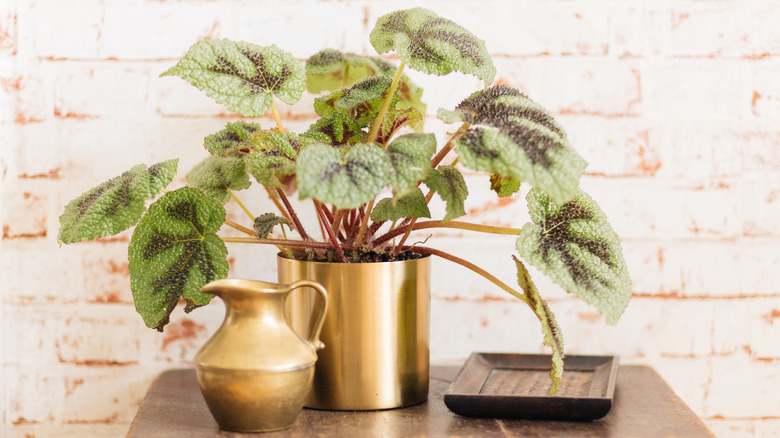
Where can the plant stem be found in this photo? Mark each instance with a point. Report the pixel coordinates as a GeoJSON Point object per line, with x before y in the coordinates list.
{"type": "Point", "coordinates": [386, 105]}
{"type": "Point", "coordinates": [490, 277]}
{"type": "Point", "coordinates": [449, 145]}
{"type": "Point", "coordinates": [276, 116]}
{"type": "Point", "coordinates": [363, 225]}
{"type": "Point", "coordinates": [241, 204]}
{"type": "Point", "coordinates": [238, 227]}
{"type": "Point", "coordinates": [329, 230]}
{"type": "Point", "coordinates": [293, 216]}
{"type": "Point", "coordinates": [275, 199]}
{"type": "Point", "coordinates": [282, 242]}
{"type": "Point", "coordinates": [488, 229]}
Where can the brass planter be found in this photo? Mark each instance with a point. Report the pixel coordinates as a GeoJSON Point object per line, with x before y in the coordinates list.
{"type": "Point", "coordinates": [376, 331]}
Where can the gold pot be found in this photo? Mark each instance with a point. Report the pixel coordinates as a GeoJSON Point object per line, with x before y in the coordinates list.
{"type": "Point", "coordinates": [376, 331]}
{"type": "Point", "coordinates": [255, 372]}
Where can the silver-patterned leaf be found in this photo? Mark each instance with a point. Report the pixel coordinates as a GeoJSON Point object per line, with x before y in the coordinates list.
{"type": "Point", "coordinates": [448, 182]}
{"type": "Point", "coordinates": [410, 156]}
{"type": "Point", "coordinates": [174, 251]}
{"type": "Point", "coordinates": [274, 156]}
{"type": "Point", "coordinates": [236, 140]}
{"type": "Point", "coordinates": [512, 136]}
{"type": "Point", "coordinates": [347, 182]}
{"type": "Point", "coordinates": [410, 204]}
{"type": "Point", "coordinates": [217, 176]}
{"type": "Point", "coordinates": [552, 333]}
{"type": "Point", "coordinates": [432, 44]}
{"type": "Point", "coordinates": [114, 205]}
{"type": "Point", "coordinates": [242, 76]}
{"type": "Point", "coordinates": [577, 248]}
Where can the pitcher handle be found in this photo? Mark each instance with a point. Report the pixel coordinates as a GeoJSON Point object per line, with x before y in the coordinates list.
{"type": "Point", "coordinates": [314, 337]}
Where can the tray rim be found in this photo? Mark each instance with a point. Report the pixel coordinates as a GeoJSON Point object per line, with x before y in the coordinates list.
{"type": "Point", "coordinates": [605, 369]}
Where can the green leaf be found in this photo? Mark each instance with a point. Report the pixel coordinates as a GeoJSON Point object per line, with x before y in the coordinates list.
{"type": "Point", "coordinates": [273, 159]}
{"type": "Point", "coordinates": [235, 140]}
{"type": "Point", "coordinates": [450, 185]}
{"type": "Point", "coordinates": [432, 44]}
{"type": "Point", "coordinates": [550, 329]}
{"type": "Point", "coordinates": [242, 76]}
{"type": "Point", "coordinates": [217, 176]}
{"type": "Point", "coordinates": [174, 251]}
{"type": "Point", "coordinates": [515, 137]}
{"type": "Point", "coordinates": [265, 223]}
{"type": "Point", "coordinates": [396, 119]}
{"type": "Point", "coordinates": [409, 204]}
{"type": "Point", "coordinates": [410, 157]}
{"type": "Point", "coordinates": [577, 248]}
{"type": "Point", "coordinates": [347, 182]}
{"type": "Point", "coordinates": [504, 185]}
{"type": "Point", "coordinates": [361, 102]}
{"type": "Point", "coordinates": [114, 205]}
{"type": "Point", "coordinates": [339, 131]}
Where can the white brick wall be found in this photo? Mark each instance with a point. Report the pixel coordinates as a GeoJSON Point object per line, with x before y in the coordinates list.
{"type": "Point", "coordinates": [675, 104]}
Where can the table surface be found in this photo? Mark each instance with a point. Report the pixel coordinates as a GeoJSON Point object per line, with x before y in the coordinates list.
{"type": "Point", "coordinates": [643, 406]}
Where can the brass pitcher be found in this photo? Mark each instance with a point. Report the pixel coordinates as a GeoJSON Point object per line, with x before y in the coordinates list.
{"type": "Point", "coordinates": [256, 372]}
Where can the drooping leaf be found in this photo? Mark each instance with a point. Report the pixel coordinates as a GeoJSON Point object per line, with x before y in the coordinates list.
{"type": "Point", "coordinates": [330, 70]}
{"type": "Point", "coordinates": [432, 44]}
{"type": "Point", "coordinates": [242, 76]}
{"type": "Point", "coordinates": [515, 137]}
{"type": "Point", "coordinates": [274, 156]}
{"type": "Point", "coordinates": [339, 131]}
{"type": "Point", "coordinates": [504, 185]}
{"type": "Point", "coordinates": [577, 248]}
{"type": "Point", "coordinates": [394, 120]}
{"type": "Point", "coordinates": [410, 204]}
{"type": "Point", "coordinates": [361, 102]}
{"type": "Point", "coordinates": [265, 223]}
{"type": "Point", "coordinates": [550, 329]}
{"type": "Point", "coordinates": [114, 205]}
{"type": "Point", "coordinates": [174, 251]}
{"type": "Point", "coordinates": [450, 185]}
{"type": "Point", "coordinates": [410, 157]}
{"type": "Point", "coordinates": [217, 176]}
{"type": "Point", "coordinates": [349, 181]}
{"type": "Point", "coordinates": [235, 140]}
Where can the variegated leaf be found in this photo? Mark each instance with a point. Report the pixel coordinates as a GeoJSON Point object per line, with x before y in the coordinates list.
{"type": "Point", "coordinates": [410, 204]}
{"type": "Point", "coordinates": [361, 102]}
{"type": "Point", "coordinates": [242, 76]}
{"type": "Point", "coordinates": [114, 205]}
{"type": "Point", "coordinates": [432, 44]}
{"type": "Point", "coordinates": [174, 251]}
{"type": "Point", "coordinates": [217, 176]}
{"type": "Point", "coordinates": [265, 223]}
{"type": "Point", "coordinates": [577, 248]}
{"type": "Point", "coordinates": [448, 182]}
{"type": "Point", "coordinates": [396, 119]}
{"type": "Point", "coordinates": [513, 136]}
{"type": "Point", "coordinates": [550, 329]}
{"type": "Point", "coordinates": [410, 157]}
{"type": "Point", "coordinates": [273, 159]}
{"type": "Point", "coordinates": [236, 140]}
{"type": "Point", "coordinates": [330, 70]}
{"type": "Point", "coordinates": [338, 130]}
{"type": "Point", "coordinates": [347, 182]}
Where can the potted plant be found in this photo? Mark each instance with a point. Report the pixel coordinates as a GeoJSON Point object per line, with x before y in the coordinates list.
{"type": "Point", "coordinates": [370, 172]}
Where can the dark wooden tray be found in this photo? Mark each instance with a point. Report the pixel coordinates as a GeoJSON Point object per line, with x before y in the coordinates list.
{"type": "Point", "coordinates": [517, 385]}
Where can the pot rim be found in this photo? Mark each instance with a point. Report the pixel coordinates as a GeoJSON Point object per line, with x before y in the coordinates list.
{"type": "Point", "coordinates": [280, 255]}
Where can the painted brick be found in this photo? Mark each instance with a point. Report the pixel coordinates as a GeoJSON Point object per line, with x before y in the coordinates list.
{"type": "Point", "coordinates": [25, 211]}
{"type": "Point", "coordinates": [705, 150]}
{"type": "Point", "coordinates": [640, 29]}
{"type": "Point", "coordinates": [24, 92]}
{"type": "Point", "coordinates": [734, 392]}
{"type": "Point", "coordinates": [599, 86]}
{"type": "Point", "coordinates": [766, 95]}
{"type": "Point", "coordinates": [699, 29]}
{"type": "Point", "coordinates": [768, 428]}
{"type": "Point", "coordinates": [750, 326]}
{"type": "Point", "coordinates": [75, 342]}
{"type": "Point", "coordinates": [8, 29]}
{"type": "Point", "coordinates": [65, 30]}
{"type": "Point", "coordinates": [696, 90]}
{"type": "Point", "coordinates": [759, 206]}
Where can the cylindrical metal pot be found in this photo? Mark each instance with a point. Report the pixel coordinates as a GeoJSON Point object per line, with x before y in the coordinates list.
{"type": "Point", "coordinates": [376, 332]}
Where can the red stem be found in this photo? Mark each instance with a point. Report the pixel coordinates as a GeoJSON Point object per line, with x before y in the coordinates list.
{"type": "Point", "coordinates": [293, 216]}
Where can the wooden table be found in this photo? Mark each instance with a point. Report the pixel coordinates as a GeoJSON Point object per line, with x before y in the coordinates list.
{"type": "Point", "coordinates": [644, 406]}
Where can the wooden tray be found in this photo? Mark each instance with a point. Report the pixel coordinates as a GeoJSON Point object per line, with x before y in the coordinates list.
{"type": "Point", "coordinates": [517, 385]}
